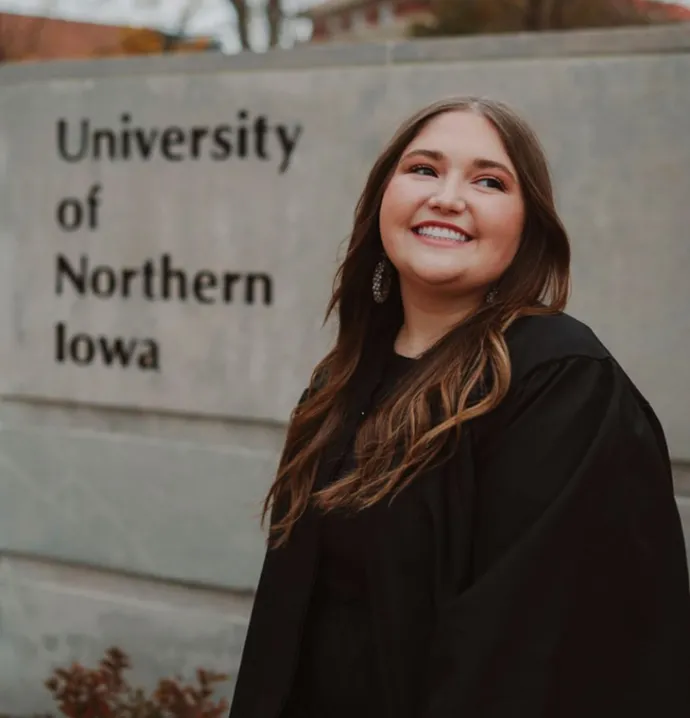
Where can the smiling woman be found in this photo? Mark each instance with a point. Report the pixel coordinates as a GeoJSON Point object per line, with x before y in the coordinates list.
{"type": "Point", "coordinates": [454, 188]}
{"type": "Point", "coordinates": [473, 513]}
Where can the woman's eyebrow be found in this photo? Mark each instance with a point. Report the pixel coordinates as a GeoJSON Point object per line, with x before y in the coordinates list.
{"type": "Point", "coordinates": [431, 154]}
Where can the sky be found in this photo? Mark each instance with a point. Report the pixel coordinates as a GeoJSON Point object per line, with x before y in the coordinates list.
{"type": "Point", "coordinates": [206, 17]}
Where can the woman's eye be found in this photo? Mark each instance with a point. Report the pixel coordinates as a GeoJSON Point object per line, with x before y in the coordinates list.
{"type": "Point", "coordinates": [423, 170]}
{"type": "Point", "coordinates": [493, 183]}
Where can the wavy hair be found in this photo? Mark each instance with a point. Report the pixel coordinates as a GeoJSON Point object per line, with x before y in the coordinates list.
{"type": "Point", "coordinates": [403, 436]}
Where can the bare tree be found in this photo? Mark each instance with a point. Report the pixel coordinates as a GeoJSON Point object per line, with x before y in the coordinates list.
{"type": "Point", "coordinates": [186, 16]}
{"type": "Point", "coordinates": [242, 12]}
{"type": "Point", "coordinates": [274, 15]}
{"type": "Point", "coordinates": [273, 12]}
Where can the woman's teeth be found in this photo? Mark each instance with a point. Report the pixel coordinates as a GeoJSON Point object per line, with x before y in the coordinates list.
{"type": "Point", "coordinates": [442, 233]}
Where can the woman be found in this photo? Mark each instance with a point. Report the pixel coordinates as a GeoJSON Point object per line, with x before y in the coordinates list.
{"type": "Point", "coordinates": [473, 515]}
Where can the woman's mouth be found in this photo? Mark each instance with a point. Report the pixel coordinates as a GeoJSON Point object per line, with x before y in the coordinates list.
{"type": "Point", "coordinates": [435, 234]}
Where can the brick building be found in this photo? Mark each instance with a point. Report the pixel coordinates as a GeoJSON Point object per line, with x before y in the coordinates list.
{"type": "Point", "coordinates": [24, 37]}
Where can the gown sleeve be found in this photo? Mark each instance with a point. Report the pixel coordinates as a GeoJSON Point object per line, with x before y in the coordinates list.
{"type": "Point", "coordinates": [579, 603]}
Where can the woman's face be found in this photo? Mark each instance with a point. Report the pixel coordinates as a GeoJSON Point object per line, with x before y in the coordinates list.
{"type": "Point", "coordinates": [452, 214]}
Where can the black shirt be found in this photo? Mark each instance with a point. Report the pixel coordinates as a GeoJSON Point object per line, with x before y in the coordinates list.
{"type": "Point", "coordinates": [337, 671]}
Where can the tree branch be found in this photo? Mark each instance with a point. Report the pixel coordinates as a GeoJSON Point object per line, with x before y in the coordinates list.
{"type": "Point", "coordinates": [242, 12]}
{"type": "Point", "coordinates": [274, 15]}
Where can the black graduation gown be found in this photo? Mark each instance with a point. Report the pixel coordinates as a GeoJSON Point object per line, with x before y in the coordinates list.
{"type": "Point", "coordinates": [540, 572]}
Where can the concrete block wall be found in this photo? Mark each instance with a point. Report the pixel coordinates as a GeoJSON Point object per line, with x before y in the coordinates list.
{"type": "Point", "coordinates": [129, 498]}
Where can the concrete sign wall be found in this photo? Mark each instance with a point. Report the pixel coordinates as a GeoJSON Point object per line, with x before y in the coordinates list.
{"type": "Point", "coordinates": [164, 242]}
{"type": "Point", "coordinates": [169, 230]}
{"type": "Point", "coordinates": [174, 238]}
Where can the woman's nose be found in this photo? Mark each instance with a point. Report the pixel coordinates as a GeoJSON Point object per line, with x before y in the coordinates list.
{"type": "Point", "coordinates": [449, 198]}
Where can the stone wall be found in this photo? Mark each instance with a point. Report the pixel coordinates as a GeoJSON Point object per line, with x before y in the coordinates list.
{"type": "Point", "coordinates": [163, 284]}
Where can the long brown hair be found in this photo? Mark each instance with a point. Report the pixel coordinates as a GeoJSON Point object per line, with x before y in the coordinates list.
{"type": "Point", "coordinates": [453, 370]}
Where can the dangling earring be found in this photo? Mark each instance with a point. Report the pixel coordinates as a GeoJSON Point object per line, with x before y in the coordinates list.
{"type": "Point", "coordinates": [381, 281]}
{"type": "Point", "coordinates": [491, 295]}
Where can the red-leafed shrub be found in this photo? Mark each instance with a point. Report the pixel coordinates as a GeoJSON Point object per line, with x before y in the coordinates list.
{"type": "Point", "coordinates": [103, 692]}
